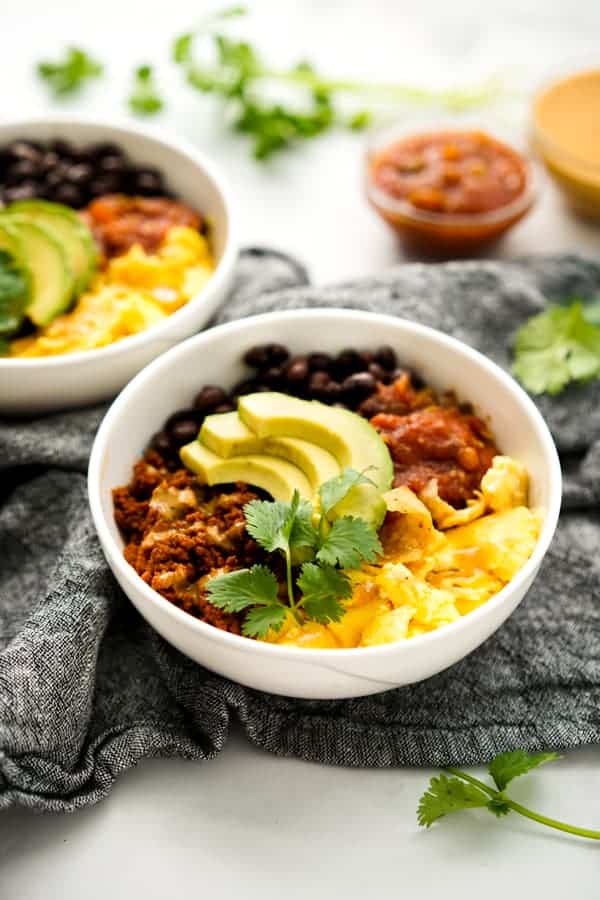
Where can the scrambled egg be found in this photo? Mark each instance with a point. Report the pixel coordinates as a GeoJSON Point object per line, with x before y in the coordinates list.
{"type": "Point", "coordinates": [135, 291]}
{"type": "Point", "coordinates": [438, 564]}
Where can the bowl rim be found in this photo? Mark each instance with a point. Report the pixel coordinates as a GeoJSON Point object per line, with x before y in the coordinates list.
{"type": "Point", "coordinates": [395, 132]}
{"type": "Point", "coordinates": [219, 276]}
{"type": "Point", "coordinates": [129, 576]}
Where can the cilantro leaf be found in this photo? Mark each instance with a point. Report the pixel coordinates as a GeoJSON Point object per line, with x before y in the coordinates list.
{"type": "Point", "coordinates": [70, 75]}
{"type": "Point", "coordinates": [334, 490]}
{"type": "Point", "coordinates": [144, 98]}
{"type": "Point", "coordinates": [14, 291]}
{"type": "Point", "coordinates": [235, 591]}
{"type": "Point", "coordinates": [447, 795]}
{"type": "Point", "coordinates": [511, 765]}
{"type": "Point", "coordinates": [265, 520]}
{"type": "Point", "coordinates": [261, 618]}
{"type": "Point", "coordinates": [323, 587]}
{"type": "Point", "coordinates": [555, 348]}
{"type": "Point", "coordinates": [349, 542]}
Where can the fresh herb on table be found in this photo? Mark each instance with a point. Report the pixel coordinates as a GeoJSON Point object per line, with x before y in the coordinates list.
{"type": "Point", "coordinates": [316, 548]}
{"type": "Point", "coordinates": [13, 295]}
{"type": "Point", "coordinates": [558, 347]}
{"type": "Point", "coordinates": [239, 75]}
{"type": "Point", "coordinates": [68, 76]}
{"type": "Point", "coordinates": [144, 98]}
{"type": "Point", "coordinates": [458, 790]}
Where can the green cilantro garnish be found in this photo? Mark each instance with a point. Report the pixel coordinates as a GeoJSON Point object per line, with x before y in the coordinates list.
{"type": "Point", "coordinates": [557, 347]}
{"type": "Point", "coordinates": [14, 292]}
{"type": "Point", "coordinates": [462, 791]}
{"type": "Point", "coordinates": [70, 75]}
{"type": "Point", "coordinates": [305, 538]}
{"type": "Point", "coordinates": [144, 98]}
{"type": "Point", "coordinates": [236, 72]}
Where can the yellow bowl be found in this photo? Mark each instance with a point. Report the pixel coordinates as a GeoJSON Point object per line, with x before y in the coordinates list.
{"type": "Point", "coordinates": [566, 133]}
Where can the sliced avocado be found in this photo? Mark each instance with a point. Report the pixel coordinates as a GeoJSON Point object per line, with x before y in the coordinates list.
{"type": "Point", "coordinates": [318, 465]}
{"type": "Point", "coordinates": [276, 476]}
{"type": "Point", "coordinates": [347, 436]}
{"type": "Point", "coordinates": [67, 228]}
{"type": "Point", "coordinates": [363, 501]}
{"type": "Point", "coordinates": [51, 278]}
{"type": "Point", "coordinates": [226, 435]}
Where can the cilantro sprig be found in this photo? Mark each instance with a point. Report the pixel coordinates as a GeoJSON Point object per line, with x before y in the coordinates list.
{"type": "Point", "coordinates": [67, 76]}
{"type": "Point", "coordinates": [316, 547]}
{"type": "Point", "coordinates": [457, 790]}
{"type": "Point", "coordinates": [558, 347]}
{"type": "Point", "coordinates": [144, 99]}
{"type": "Point", "coordinates": [14, 290]}
{"type": "Point", "coordinates": [233, 70]}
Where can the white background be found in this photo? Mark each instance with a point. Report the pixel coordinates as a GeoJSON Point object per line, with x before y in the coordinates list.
{"type": "Point", "coordinates": [249, 824]}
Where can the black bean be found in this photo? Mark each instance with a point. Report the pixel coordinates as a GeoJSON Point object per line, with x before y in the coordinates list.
{"type": "Point", "coordinates": [69, 194]}
{"type": "Point", "coordinates": [146, 181]}
{"type": "Point", "coordinates": [244, 387]}
{"type": "Point", "coordinates": [104, 184]}
{"type": "Point", "coordinates": [56, 175]}
{"type": "Point", "coordinates": [225, 407]}
{"type": "Point", "coordinates": [23, 168]}
{"type": "Point", "coordinates": [161, 442]}
{"type": "Point", "coordinates": [113, 163]}
{"type": "Point", "coordinates": [20, 150]}
{"type": "Point", "coordinates": [417, 382]}
{"type": "Point", "coordinates": [274, 377]}
{"type": "Point", "coordinates": [183, 431]}
{"type": "Point", "coordinates": [347, 362]}
{"type": "Point", "coordinates": [101, 150]}
{"type": "Point", "coordinates": [319, 362]}
{"type": "Point", "coordinates": [358, 387]}
{"type": "Point", "coordinates": [378, 372]}
{"type": "Point", "coordinates": [318, 383]}
{"type": "Point", "coordinates": [79, 173]}
{"type": "Point", "coordinates": [366, 357]}
{"type": "Point", "coordinates": [27, 190]}
{"type": "Point", "coordinates": [62, 148]}
{"type": "Point", "coordinates": [264, 356]}
{"type": "Point", "coordinates": [49, 161]}
{"type": "Point", "coordinates": [386, 357]}
{"type": "Point", "coordinates": [297, 370]}
{"type": "Point", "coordinates": [331, 393]}
{"type": "Point", "coordinates": [209, 398]}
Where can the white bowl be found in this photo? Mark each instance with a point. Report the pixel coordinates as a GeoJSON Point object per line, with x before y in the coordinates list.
{"type": "Point", "coordinates": [214, 358]}
{"type": "Point", "coordinates": [76, 379]}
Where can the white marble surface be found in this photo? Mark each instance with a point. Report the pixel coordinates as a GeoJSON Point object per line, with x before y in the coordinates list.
{"type": "Point", "coordinates": [248, 824]}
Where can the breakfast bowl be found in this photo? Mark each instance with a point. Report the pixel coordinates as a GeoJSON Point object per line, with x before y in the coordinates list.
{"type": "Point", "coordinates": [216, 357]}
{"type": "Point", "coordinates": [50, 169]}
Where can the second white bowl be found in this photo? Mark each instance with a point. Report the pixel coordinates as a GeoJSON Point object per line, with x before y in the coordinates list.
{"type": "Point", "coordinates": [44, 384]}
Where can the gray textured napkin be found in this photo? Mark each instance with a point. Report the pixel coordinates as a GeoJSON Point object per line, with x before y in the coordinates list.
{"type": "Point", "coordinates": [87, 688]}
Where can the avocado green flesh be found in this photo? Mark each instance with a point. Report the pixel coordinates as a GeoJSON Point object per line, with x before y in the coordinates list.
{"type": "Point", "coordinates": [346, 435]}
{"type": "Point", "coordinates": [10, 243]}
{"type": "Point", "coordinates": [227, 436]}
{"type": "Point", "coordinates": [364, 501]}
{"type": "Point", "coordinates": [68, 230]}
{"type": "Point", "coordinates": [51, 278]}
{"type": "Point", "coordinates": [277, 477]}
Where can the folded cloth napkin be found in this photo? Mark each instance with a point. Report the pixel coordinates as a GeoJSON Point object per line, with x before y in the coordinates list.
{"type": "Point", "coordinates": [87, 688]}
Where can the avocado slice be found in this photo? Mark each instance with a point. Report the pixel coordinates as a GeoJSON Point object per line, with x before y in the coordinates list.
{"type": "Point", "coordinates": [70, 232]}
{"type": "Point", "coordinates": [346, 435]}
{"type": "Point", "coordinates": [227, 436]}
{"type": "Point", "coordinates": [51, 278]}
{"type": "Point", "coordinates": [276, 476]}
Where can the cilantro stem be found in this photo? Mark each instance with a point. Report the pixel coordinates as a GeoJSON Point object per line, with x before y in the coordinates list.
{"type": "Point", "coordinates": [552, 823]}
{"type": "Point", "coordinates": [290, 587]}
{"type": "Point", "coordinates": [523, 810]}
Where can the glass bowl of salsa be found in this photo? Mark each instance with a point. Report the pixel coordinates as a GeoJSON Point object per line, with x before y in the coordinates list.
{"type": "Point", "coordinates": [448, 188]}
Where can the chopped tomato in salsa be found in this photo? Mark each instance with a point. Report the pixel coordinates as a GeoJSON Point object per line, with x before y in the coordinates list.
{"type": "Point", "coordinates": [438, 442]}
{"type": "Point", "coordinates": [119, 221]}
{"type": "Point", "coordinates": [457, 172]}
